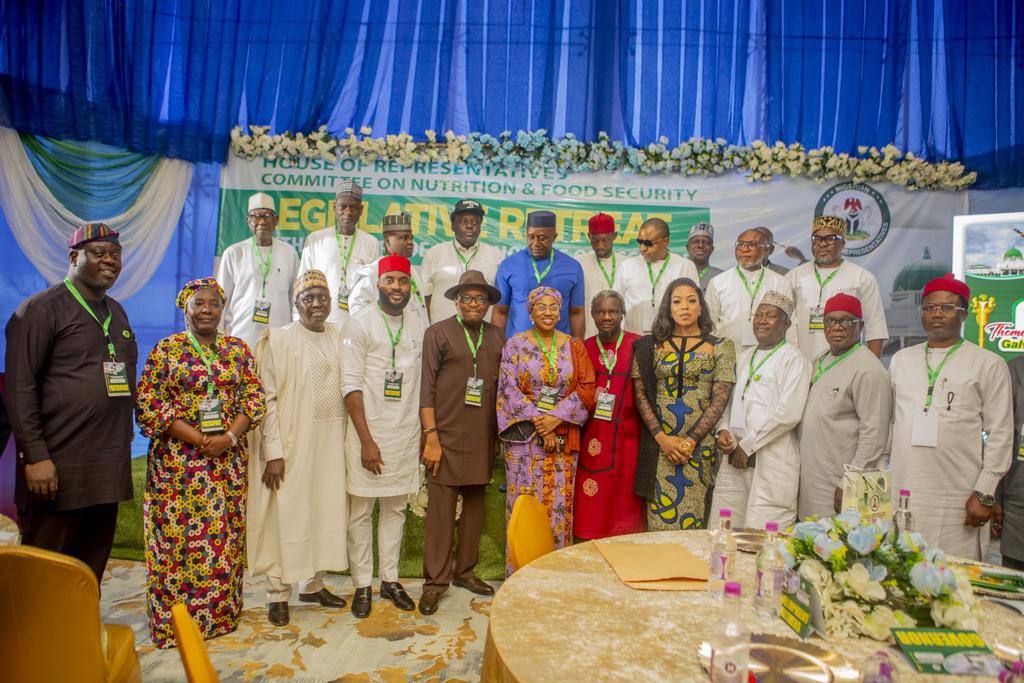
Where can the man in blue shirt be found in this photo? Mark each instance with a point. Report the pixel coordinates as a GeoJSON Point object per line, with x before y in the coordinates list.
{"type": "Point", "coordinates": [539, 264]}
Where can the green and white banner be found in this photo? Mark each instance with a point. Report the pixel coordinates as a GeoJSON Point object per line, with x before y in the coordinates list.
{"type": "Point", "coordinates": [904, 238]}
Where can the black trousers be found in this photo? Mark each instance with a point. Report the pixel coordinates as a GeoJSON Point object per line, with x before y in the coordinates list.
{"type": "Point", "coordinates": [85, 533]}
{"type": "Point", "coordinates": [1012, 563]}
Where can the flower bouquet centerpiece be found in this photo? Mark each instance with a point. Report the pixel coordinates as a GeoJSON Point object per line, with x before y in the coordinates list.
{"type": "Point", "coordinates": [871, 578]}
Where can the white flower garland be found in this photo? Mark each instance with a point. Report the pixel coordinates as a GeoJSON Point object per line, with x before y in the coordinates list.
{"type": "Point", "coordinates": [535, 150]}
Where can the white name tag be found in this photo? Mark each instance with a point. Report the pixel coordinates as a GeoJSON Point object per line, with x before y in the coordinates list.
{"type": "Point", "coordinates": [924, 430]}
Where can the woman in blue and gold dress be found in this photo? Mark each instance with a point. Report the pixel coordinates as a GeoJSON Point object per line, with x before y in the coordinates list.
{"type": "Point", "coordinates": [683, 378]}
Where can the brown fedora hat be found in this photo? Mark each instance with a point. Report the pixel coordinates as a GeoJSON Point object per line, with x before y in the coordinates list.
{"type": "Point", "coordinates": [473, 278]}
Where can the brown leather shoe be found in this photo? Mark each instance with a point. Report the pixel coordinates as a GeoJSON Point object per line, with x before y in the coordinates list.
{"type": "Point", "coordinates": [475, 585]}
{"type": "Point", "coordinates": [393, 591]}
{"type": "Point", "coordinates": [428, 602]}
{"type": "Point", "coordinates": [361, 602]}
{"type": "Point", "coordinates": [325, 597]}
{"type": "Point", "coordinates": [277, 613]}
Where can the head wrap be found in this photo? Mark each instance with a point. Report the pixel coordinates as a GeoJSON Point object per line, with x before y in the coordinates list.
{"type": "Point", "coordinates": [467, 206]}
{"type": "Point", "coordinates": [540, 219]}
{"type": "Point", "coordinates": [347, 188]}
{"type": "Point", "coordinates": [702, 230]}
{"type": "Point", "coordinates": [309, 280]}
{"type": "Point", "coordinates": [780, 301]}
{"type": "Point", "coordinates": [947, 283]}
{"type": "Point", "coordinates": [844, 302]}
{"type": "Point", "coordinates": [396, 222]}
{"type": "Point", "coordinates": [540, 292]}
{"type": "Point", "coordinates": [261, 200]}
{"type": "Point", "coordinates": [834, 224]}
{"type": "Point", "coordinates": [190, 289]}
{"type": "Point", "coordinates": [601, 224]}
{"type": "Point", "coordinates": [393, 263]}
{"type": "Point", "coordinates": [92, 232]}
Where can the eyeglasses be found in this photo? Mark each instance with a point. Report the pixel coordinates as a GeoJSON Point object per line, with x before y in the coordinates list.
{"type": "Point", "coordinates": [479, 299]}
{"type": "Point", "coordinates": [844, 323]}
{"type": "Point", "coordinates": [262, 216]}
{"type": "Point", "coordinates": [648, 243]}
{"type": "Point", "coordinates": [825, 239]}
{"type": "Point", "coordinates": [944, 309]}
{"type": "Point", "coordinates": [546, 308]}
{"type": "Point", "coordinates": [747, 244]}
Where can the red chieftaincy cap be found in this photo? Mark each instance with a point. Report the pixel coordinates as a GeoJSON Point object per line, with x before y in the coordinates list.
{"type": "Point", "coordinates": [947, 283]}
{"type": "Point", "coordinates": [601, 224]}
{"type": "Point", "coordinates": [844, 302]}
{"type": "Point", "coordinates": [393, 263]}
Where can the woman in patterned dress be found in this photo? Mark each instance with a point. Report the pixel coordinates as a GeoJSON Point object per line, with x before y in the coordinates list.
{"type": "Point", "coordinates": [198, 396]}
{"type": "Point", "coordinates": [545, 394]}
{"type": "Point", "coordinates": [683, 379]}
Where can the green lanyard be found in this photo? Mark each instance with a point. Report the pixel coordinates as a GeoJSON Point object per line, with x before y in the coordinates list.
{"type": "Point", "coordinates": [655, 280]}
{"type": "Point", "coordinates": [821, 285]}
{"type": "Point", "coordinates": [105, 324]}
{"type": "Point", "coordinates": [551, 354]}
{"type": "Point", "coordinates": [819, 371]}
{"type": "Point", "coordinates": [472, 348]}
{"type": "Point", "coordinates": [609, 364]}
{"type": "Point", "coordinates": [539, 275]}
{"type": "Point", "coordinates": [751, 368]}
{"type": "Point", "coordinates": [395, 337]}
{"type": "Point", "coordinates": [415, 289]}
{"type": "Point", "coordinates": [609, 279]}
{"type": "Point", "coordinates": [700, 274]}
{"type": "Point", "coordinates": [466, 261]}
{"type": "Point", "coordinates": [933, 375]}
{"type": "Point", "coordinates": [207, 357]}
{"type": "Point", "coordinates": [264, 264]}
{"type": "Point", "coordinates": [753, 294]}
{"type": "Point", "coordinates": [347, 255]}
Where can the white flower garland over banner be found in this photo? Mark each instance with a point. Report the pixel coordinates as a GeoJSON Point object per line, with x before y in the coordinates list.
{"type": "Point", "coordinates": [534, 150]}
{"type": "Point", "coordinates": [41, 225]}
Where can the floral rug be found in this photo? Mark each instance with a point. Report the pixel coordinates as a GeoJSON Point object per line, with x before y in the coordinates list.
{"type": "Point", "coordinates": [319, 644]}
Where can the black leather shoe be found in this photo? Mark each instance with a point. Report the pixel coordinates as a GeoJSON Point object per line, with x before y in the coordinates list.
{"type": "Point", "coordinates": [325, 597]}
{"type": "Point", "coordinates": [428, 601]}
{"type": "Point", "coordinates": [475, 585]}
{"type": "Point", "coordinates": [361, 602]}
{"type": "Point", "coordinates": [393, 591]}
{"type": "Point", "coordinates": [277, 613]}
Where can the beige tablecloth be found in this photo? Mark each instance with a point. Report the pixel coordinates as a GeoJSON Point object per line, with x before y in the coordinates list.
{"type": "Point", "coordinates": [567, 617]}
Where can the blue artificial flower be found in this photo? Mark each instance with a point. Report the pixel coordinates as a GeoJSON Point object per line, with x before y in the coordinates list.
{"type": "Point", "coordinates": [863, 539]}
{"type": "Point", "coordinates": [849, 519]}
{"type": "Point", "coordinates": [925, 578]}
{"type": "Point", "coordinates": [825, 546]}
{"type": "Point", "coordinates": [876, 571]}
{"type": "Point", "coordinates": [806, 531]}
{"type": "Point", "coordinates": [934, 555]}
{"type": "Point", "coordinates": [787, 557]}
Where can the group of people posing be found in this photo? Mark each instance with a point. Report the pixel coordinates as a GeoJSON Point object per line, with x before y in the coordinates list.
{"type": "Point", "coordinates": [624, 394]}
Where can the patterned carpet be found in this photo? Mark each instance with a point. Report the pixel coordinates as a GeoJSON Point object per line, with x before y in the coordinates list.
{"type": "Point", "coordinates": [319, 644]}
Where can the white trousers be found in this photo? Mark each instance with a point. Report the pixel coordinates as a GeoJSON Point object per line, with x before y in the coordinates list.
{"type": "Point", "coordinates": [389, 538]}
{"type": "Point", "coordinates": [280, 592]}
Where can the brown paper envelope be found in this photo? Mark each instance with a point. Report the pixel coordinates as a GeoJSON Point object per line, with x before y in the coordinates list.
{"type": "Point", "coordinates": [668, 563]}
{"type": "Point", "coordinates": [669, 585]}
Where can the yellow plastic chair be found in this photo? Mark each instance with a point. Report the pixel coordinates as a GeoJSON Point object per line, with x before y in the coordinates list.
{"type": "Point", "coordinates": [192, 647]}
{"type": "Point", "coordinates": [529, 532]}
{"type": "Point", "coordinates": [50, 626]}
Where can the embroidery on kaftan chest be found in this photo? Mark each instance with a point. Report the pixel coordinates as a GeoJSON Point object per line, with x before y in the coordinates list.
{"type": "Point", "coordinates": [328, 403]}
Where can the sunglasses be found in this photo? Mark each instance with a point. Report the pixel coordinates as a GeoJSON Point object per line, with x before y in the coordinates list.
{"type": "Point", "coordinates": [648, 243]}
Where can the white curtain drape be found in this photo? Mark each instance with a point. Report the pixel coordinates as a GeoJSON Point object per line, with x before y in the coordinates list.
{"type": "Point", "coordinates": [42, 226]}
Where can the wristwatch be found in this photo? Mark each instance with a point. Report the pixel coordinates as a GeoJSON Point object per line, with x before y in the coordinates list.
{"type": "Point", "coordinates": [987, 501]}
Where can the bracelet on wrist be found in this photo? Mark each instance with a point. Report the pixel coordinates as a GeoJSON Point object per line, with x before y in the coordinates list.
{"type": "Point", "coordinates": [429, 430]}
{"type": "Point", "coordinates": [234, 439]}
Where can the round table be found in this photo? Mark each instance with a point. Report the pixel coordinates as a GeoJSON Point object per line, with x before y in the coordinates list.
{"type": "Point", "coordinates": [567, 617]}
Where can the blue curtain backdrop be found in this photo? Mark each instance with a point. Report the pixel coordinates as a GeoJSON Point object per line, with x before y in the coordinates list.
{"type": "Point", "coordinates": [941, 78]}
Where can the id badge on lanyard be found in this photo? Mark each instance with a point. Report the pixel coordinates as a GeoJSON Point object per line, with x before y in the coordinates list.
{"type": "Point", "coordinates": [261, 311]}
{"type": "Point", "coordinates": [924, 430]}
{"type": "Point", "coordinates": [605, 405]}
{"type": "Point", "coordinates": [343, 294]}
{"type": "Point", "coordinates": [816, 320]}
{"type": "Point", "coordinates": [548, 399]}
{"type": "Point", "coordinates": [116, 378]}
{"type": "Point", "coordinates": [474, 391]}
{"type": "Point", "coordinates": [392, 385]}
{"type": "Point", "coordinates": [210, 415]}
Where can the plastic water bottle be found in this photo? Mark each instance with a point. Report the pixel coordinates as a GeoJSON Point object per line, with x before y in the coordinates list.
{"type": "Point", "coordinates": [879, 669]}
{"type": "Point", "coordinates": [770, 573]}
{"type": "Point", "coordinates": [903, 519]}
{"type": "Point", "coordinates": [723, 554]}
{"type": "Point", "coordinates": [730, 643]}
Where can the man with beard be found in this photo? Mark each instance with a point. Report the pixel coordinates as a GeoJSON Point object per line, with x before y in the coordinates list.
{"type": "Point", "coordinates": [296, 518]}
{"type": "Point", "coordinates": [382, 347]}
{"type": "Point", "coordinates": [71, 358]}
{"type": "Point", "coordinates": [600, 265]}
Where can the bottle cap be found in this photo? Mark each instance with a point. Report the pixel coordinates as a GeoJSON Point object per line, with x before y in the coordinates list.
{"type": "Point", "coordinates": [725, 512]}
{"type": "Point", "coordinates": [904, 492]}
{"type": "Point", "coordinates": [771, 526]}
{"type": "Point", "coordinates": [733, 588]}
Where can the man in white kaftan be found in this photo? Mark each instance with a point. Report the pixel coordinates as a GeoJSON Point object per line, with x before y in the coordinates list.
{"type": "Point", "coordinates": [735, 294]}
{"type": "Point", "coordinates": [382, 346]}
{"type": "Point", "coordinates": [849, 408]}
{"type": "Point", "coordinates": [759, 480]}
{"type": "Point", "coordinates": [341, 252]}
{"type": "Point", "coordinates": [643, 279]}
{"type": "Point", "coordinates": [600, 264]}
{"type": "Point", "coordinates": [297, 517]}
{"type": "Point", "coordinates": [937, 447]}
{"type": "Point", "coordinates": [257, 276]}
{"type": "Point", "coordinates": [445, 263]}
{"type": "Point", "coordinates": [816, 281]}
